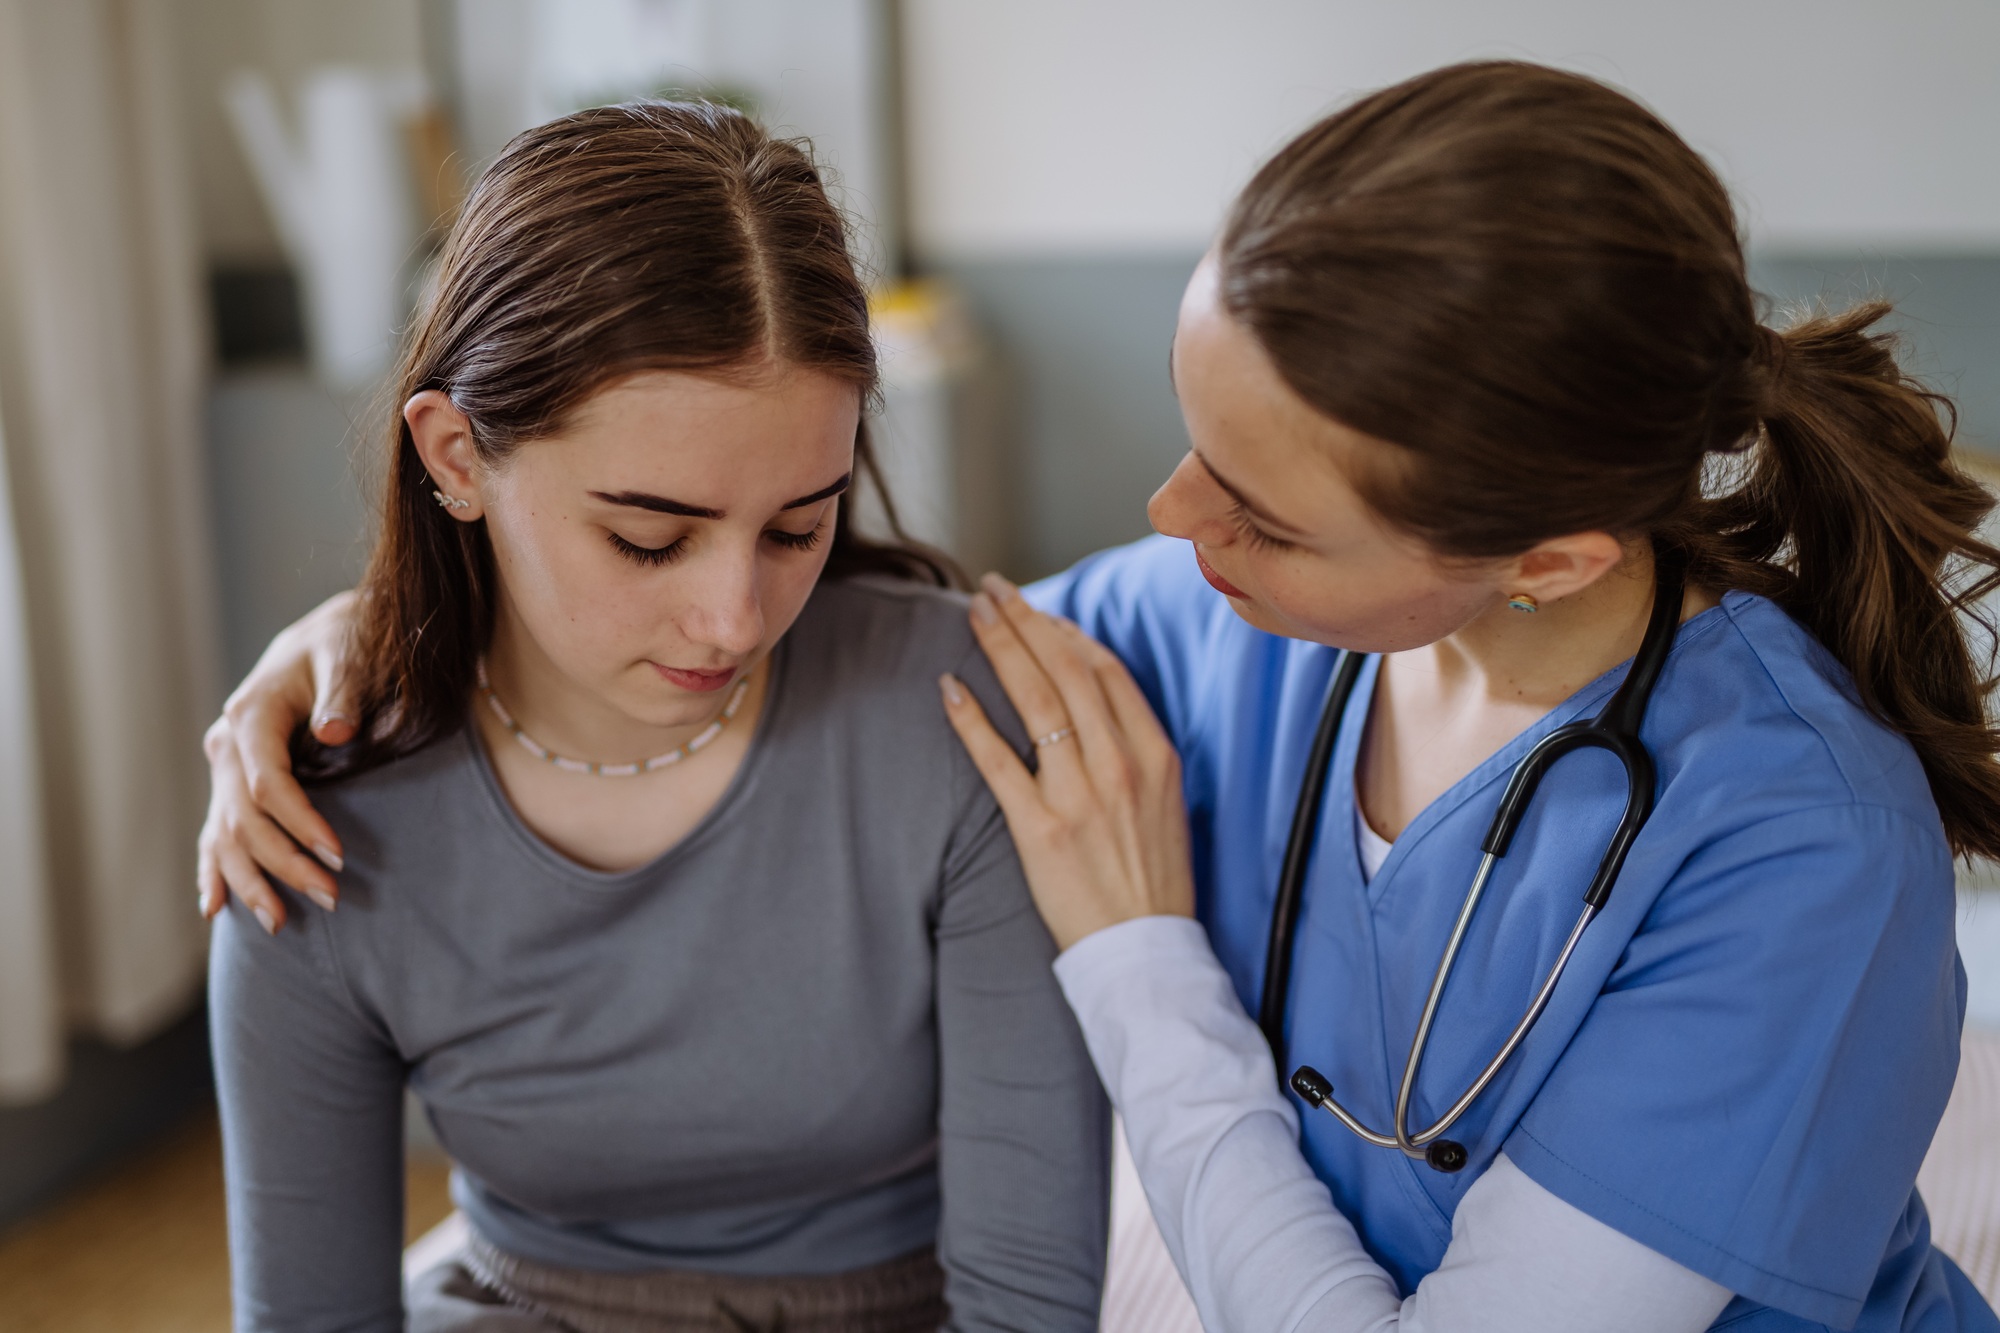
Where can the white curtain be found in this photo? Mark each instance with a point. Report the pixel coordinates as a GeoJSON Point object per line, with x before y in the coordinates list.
{"type": "Point", "coordinates": [107, 623]}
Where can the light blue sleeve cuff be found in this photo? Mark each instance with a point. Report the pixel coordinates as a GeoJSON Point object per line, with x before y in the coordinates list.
{"type": "Point", "coordinates": [1152, 944]}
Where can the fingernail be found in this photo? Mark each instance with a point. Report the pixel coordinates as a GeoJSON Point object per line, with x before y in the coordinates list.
{"type": "Point", "coordinates": [999, 587]}
{"type": "Point", "coordinates": [328, 857]}
{"type": "Point", "coordinates": [953, 695]}
{"type": "Point", "coordinates": [322, 897]}
{"type": "Point", "coordinates": [264, 919]}
{"type": "Point", "coordinates": [983, 609]}
{"type": "Point", "coordinates": [325, 718]}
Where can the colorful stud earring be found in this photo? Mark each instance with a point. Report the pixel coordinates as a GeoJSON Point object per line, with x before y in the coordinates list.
{"type": "Point", "coordinates": [1521, 601]}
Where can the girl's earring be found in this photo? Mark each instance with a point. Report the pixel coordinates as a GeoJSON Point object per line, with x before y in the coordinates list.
{"type": "Point", "coordinates": [450, 501]}
{"type": "Point", "coordinates": [1521, 601]}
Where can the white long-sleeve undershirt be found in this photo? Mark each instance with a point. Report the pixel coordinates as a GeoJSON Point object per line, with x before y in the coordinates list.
{"type": "Point", "coordinates": [1256, 1235]}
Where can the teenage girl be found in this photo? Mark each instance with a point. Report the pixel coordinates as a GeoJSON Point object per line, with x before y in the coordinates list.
{"type": "Point", "coordinates": [663, 883]}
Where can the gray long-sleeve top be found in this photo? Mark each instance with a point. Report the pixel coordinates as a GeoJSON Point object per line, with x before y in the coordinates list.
{"type": "Point", "coordinates": [818, 1033]}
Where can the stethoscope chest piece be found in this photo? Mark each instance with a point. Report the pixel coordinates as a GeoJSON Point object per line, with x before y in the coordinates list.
{"type": "Point", "coordinates": [1445, 1155]}
{"type": "Point", "coordinates": [1615, 730]}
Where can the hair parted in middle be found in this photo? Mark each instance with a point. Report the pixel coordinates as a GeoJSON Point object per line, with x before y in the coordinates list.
{"type": "Point", "coordinates": [646, 236]}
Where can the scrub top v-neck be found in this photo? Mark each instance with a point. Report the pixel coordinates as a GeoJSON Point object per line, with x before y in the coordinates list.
{"type": "Point", "coordinates": [1745, 1063]}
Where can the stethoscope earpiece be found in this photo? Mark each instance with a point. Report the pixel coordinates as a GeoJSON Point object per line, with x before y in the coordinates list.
{"type": "Point", "coordinates": [1312, 1085]}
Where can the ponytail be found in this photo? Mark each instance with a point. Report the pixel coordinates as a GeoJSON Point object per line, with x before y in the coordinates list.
{"type": "Point", "coordinates": [1533, 293]}
{"type": "Point", "coordinates": [1851, 515]}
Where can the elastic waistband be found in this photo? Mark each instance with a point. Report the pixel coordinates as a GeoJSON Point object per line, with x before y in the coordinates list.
{"type": "Point", "coordinates": [904, 1295]}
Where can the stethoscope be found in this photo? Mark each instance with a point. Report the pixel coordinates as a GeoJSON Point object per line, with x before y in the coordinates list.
{"type": "Point", "coordinates": [1615, 729]}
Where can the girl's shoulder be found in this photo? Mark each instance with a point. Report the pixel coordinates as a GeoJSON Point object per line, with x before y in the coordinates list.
{"type": "Point", "coordinates": [879, 629]}
{"type": "Point", "coordinates": [865, 655]}
{"type": "Point", "coordinates": [393, 789]}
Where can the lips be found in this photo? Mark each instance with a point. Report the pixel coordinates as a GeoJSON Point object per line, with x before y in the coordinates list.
{"type": "Point", "coordinates": [1216, 581]}
{"type": "Point", "coordinates": [702, 682]}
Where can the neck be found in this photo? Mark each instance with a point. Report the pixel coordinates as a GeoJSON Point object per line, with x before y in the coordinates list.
{"type": "Point", "coordinates": [1539, 660]}
{"type": "Point", "coordinates": [575, 722]}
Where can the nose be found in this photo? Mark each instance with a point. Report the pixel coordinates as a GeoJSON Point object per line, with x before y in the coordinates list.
{"type": "Point", "coordinates": [1190, 505]}
{"type": "Point", "coordinates": [726, 612]}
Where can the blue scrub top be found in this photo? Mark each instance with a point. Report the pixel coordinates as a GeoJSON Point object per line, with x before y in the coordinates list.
{"type": "Point", "coordinates": [1751, 1049]}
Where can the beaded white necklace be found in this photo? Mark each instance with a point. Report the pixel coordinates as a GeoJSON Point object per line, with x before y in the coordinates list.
{"type": "Point", "coordinates": [567, 765]}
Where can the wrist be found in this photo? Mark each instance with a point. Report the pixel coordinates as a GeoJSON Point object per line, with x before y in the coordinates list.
{"type": "Point", "coordinates": [1076, 930]}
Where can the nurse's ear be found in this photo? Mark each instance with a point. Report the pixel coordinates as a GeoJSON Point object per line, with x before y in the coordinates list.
{"type": "Point", "coordinates": [1563, 566]}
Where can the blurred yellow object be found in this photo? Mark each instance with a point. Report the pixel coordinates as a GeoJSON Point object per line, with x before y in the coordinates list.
{"type": "Point", "coordinates": [912, 311]}
{"type": "Point", "coordinates": [917, 298]}
{"type": "Point", "coordinates": [922, 328]}
{"type": "Point", "coordinates": [937, 437]}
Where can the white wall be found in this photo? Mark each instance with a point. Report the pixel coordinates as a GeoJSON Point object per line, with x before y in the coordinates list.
{"type": "Point", "coordinates": [812, 67]}
{"type": "Point", "coordinates": [1048, 126]}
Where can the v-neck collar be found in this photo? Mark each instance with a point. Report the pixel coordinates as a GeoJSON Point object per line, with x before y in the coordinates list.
{"type": "Point", "coordinates": [1345, 793]}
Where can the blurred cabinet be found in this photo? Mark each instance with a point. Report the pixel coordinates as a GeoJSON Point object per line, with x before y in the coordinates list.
{"type": "Point", "coordinates": [940, 436]}
{"type": "Point", "coordinates": [290, 522]}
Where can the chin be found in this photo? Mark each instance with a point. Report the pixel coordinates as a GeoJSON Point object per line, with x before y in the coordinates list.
{"type": "Point", "coordinates": [1259, 616]}
{"type": "Point", "coordinates": [1402, 637]}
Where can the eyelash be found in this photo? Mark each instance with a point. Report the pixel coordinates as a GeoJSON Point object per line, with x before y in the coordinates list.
{"type": "Point", "coordinates": [666, 555]}
{"type": "Point", "coordinates": [797, 541]}
{"type": "Point", "coordinates": [649, 555]}
{"type": "Point", "coordinates": [1256, 536]}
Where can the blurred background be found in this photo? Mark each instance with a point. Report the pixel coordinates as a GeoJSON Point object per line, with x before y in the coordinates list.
{"type": "Point", "coordinates": [214, 214]}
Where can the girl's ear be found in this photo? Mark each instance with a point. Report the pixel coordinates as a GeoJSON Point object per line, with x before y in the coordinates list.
{"type": "Point", "coordinates": [1563, 566]}
{"type": "Point", "coordinates": [443, 438]}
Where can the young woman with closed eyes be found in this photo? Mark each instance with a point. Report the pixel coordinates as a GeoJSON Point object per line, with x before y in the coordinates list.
{"type": "Point", "coordinates": [663, 883]}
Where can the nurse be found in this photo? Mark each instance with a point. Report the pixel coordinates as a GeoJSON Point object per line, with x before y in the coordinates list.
{"type": "Point", "coordinates": [1456, 371]}
{"type": "Point", "coordinates": [1468, 356]}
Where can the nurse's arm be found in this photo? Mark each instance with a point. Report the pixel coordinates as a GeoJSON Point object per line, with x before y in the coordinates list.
{"type": "Point", "coordinates": [259, 819]}
{"type": "Point", "coordinates": [1256, 1234]}
{"type": "Point", "coordinates": [1102, 831]}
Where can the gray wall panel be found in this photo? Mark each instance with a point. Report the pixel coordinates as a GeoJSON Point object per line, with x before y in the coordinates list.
{"type": "Point", "coordinates": [1085, 345]}
{"type": "Point", "coordinates": [1085, 340]}
{"type": "Point", "coordinates": [1947, 306]}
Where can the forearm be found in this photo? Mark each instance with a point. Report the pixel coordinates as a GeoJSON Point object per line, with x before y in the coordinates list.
{"type": "Point", "coordinates": [1257, 1235]}
{"type": "Point", "coordinates": [1252, 1230]}
{"type": "Point", "coordinates": [312, 1138]}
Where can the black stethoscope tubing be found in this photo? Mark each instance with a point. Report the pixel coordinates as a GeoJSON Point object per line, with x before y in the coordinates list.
{"type": "Point", "coordinates": [1615, 729]}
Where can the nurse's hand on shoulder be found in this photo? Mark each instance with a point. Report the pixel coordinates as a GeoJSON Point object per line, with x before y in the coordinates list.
{"type": "Point", "coordinates": [1102, 824]}
{"type": "Point", "coordinates": [258, 816]}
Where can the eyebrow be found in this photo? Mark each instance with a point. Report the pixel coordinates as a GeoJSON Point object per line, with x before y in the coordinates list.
{"type": "Point", "coordinates": [660, 504]}
{"type": "Point", "coordinates": [1252, 506]}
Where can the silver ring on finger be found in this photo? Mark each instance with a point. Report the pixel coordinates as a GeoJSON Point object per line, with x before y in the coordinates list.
{"type": "Point", "coordinates": [1056, 737]}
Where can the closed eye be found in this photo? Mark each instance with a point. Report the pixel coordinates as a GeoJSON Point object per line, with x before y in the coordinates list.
{"type": "Point", "coordinates": [795, 541]}
{"type": "Point", "coordinates": [1247, 528]}
{"type": "Point", "coordinates": [802, 541]}
{"type": "Point", "coordinates": [649, 555]}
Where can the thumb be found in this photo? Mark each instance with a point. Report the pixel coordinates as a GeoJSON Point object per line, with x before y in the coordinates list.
{"type": "Point", "coordinates": [333, 710]}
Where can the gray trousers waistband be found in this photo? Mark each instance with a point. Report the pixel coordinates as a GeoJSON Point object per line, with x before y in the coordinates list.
{"type": "Point", "coordinates": [904, 1295]}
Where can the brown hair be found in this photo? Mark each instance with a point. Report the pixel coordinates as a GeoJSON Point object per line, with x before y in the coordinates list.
{"type": "Point", "coordinates": [653, 235]}
{"type": "Point", "coordinates": [1534, 291]}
